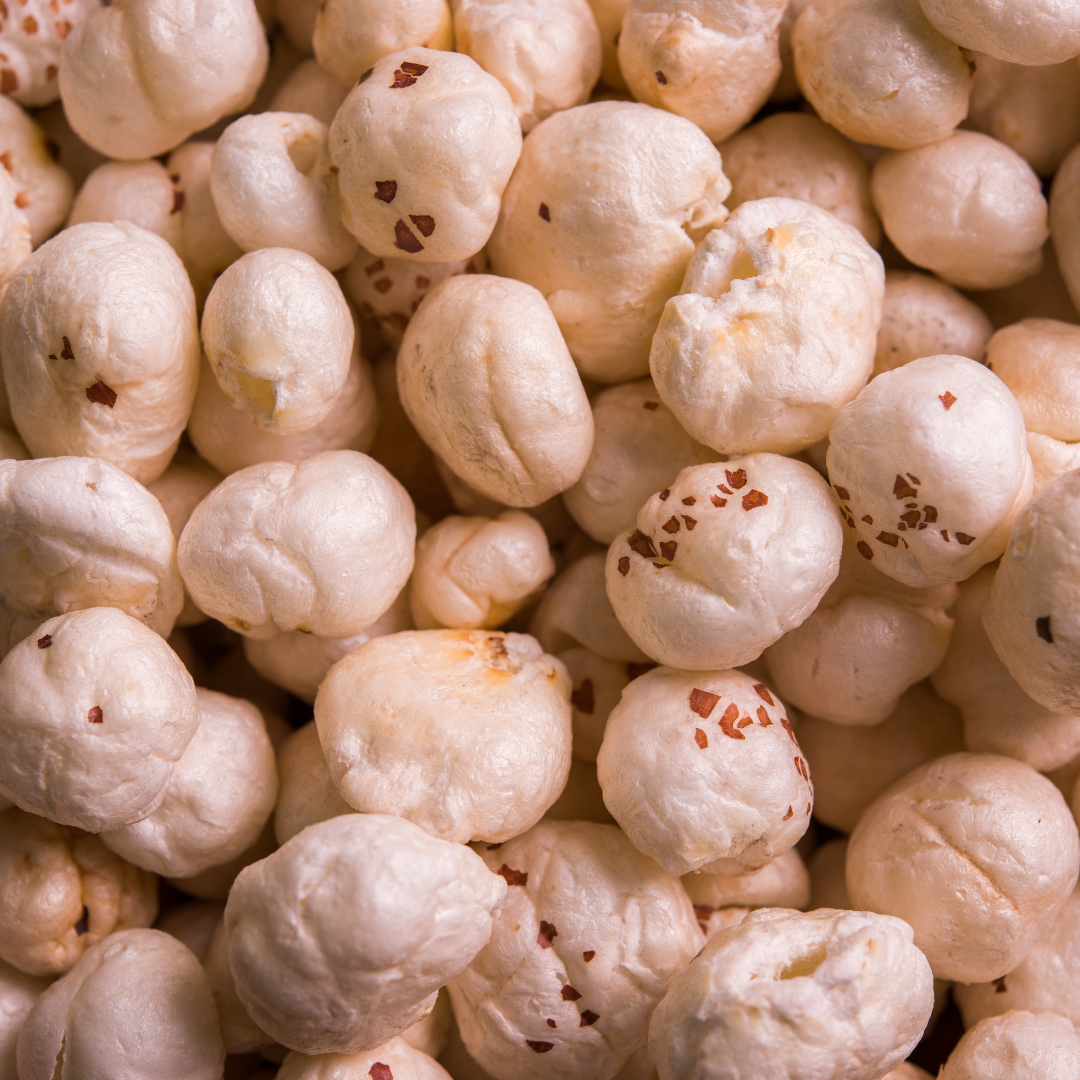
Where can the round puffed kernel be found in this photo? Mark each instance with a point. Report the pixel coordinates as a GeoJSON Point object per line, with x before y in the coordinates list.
{"type": "Point", "coordinates": [828, 888]}
{"type": "Point", "coordinates": [18, 992]}
{"type": "Point", "coordinates": [307, 794]}
{"type": "Point", "coordinates": [725, 561]}
{"type": "Point", "coordinates": [1065, 220]}
{"type": "Point", "coordinates": [597, 686]}
{"type": "Point", "coordinates": [309, 89]}
{"type": "Point", "coordinates": [14, 230]}
{"type": "Point", "coordinates": [609, 15]}
{"type": "Point", "coordinates": [773, 330]}
{"type": "Point", "coordinates": [193, 923]}
{"type": "Point", "coordinates": [977, 853]}
{"type": "Point", "coordinates": [214, 884]}
{"type": "Point", "coordinates": [1032, 32]}
{"type": "Point", "coordinates": [784, 882]}
{"type": "Point", "coordinates": [602, 215]}
{"type": "Point", "coordinates": [825, 995]}
{"type": "Point", "coordinates": [930, 468]}
{"type": "Point", "coordinates": [1035, 1046]}
{"type": "Point", "coordinates": [95, 712]}
{"type": "Point", "coordinates": [487, 747]}
{"type": "Point", "coordinates": [31, 41]}
{"type": "Point", "coordinates": [425, 144]}
{"type": "Point", "coordinates": [394, 1060]}
{"type": "Point", "coordinates": [341, 939]}
{"type": "Point", "coordinates": [583, 946]}
{"type": "Point", "coordinates": [241, 1034]}
{"type": "Point", "coordinates": [702, 771]}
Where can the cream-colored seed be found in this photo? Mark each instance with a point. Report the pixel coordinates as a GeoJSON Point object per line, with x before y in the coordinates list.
{"type": "Point", "coordinates": [1042, 1046]}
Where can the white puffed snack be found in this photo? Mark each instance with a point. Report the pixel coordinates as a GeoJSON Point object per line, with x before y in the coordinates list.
{"type": "Point", "coordinates": [978, 853]}
{"type": "Point", "coordinates": [101, 347]}
{"type": "Point", "coordinates": [95, 711]}
{"type": "Point", "coordinates": [394, 1060]}
{"type": "Point", "coordinates": [878, 72]}
{"type": "Point", "coordinates": [597, 686]}
{"type": "Point", "coordinates": [279, 336]}
{"type": "Point", "coordinates": [18, 992]}
{"type": "Point", "coordinates": [930, 468]}
{"type": "Point", "coordinates": [583, 946]}
{"type": "Point", "coordinates": [783, 882]}
{"type": "Point", "coordinates": [309, 89]}
{"type": "Point", "coordinates": [324, 546]}
{"type": "Point", "coordinates": [609, 16]}
{"type": "Point", "coordinates": [307, 794]}
{"type": "Point", "coordinates": [683, 793]}
{"type": "Point", "coordinates": [1065, 220]}
{"type": "Point", "coordinates": [1031, 1046]}
{"type": "Point", "coordinates": [608, 245]}
{"type": "Point", "coordinates": [61, 892]}
{"type": "Point", "coordinates": [220, 795]}
{"type": "Point", "coordinates": [826, 995]}
{"type": "Point", "coordinates": [425, 144]}
{"type": "Point", "coordinates": [137, 1004]}
{"type": "Point", "coordinates": [341, 939]}
{"type": "Point", "coordinates": [193, 923]}
{"type": "Point", "coordinates": [967, 208]}
{"type": "Point", "coordinates": [773, 330]}
{"type": "Point", "coordinates": [140, 76]}
{"type": "Point", "coordinates": [486, 749]}
{"type": "Point", "coordinates": [31, 41]}
{"type": "Point", "coordinates": [14, 230]}
{"type": "Point", "coordinates": [713, 63]}
{"type": "Point", "coordinates": [273, 186]}
{"type": "Point", "coordinates": [725, 561]}
{"type": "Point", "coordinates": [486, 379]}
{"type": "Point", "coordinates": [478, 571]}
{"type": "Point", "coordinates": [75, 533]}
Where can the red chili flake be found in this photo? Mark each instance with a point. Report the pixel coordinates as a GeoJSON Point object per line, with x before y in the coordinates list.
{"type": "Point", "coordinates": [94, 716]}
{"type": "Point", "coordinates": [736, 479]}
{"type": "Point", "coordinates": [727, 722]}
{"type": "Point", "coordinates": [945, 533]}
{"type": "Point", "coordinates": [547, 935]}
{"type": "Point", "coordinates": [423, 282]}
{"type": "Point", "coordinates": [404, 239]}
{"type": "Point", "coordinates": [379, 1071]}
{"type": "Point", "coordinates": [588, 1018]}
{"type": "Point", "coordinates": [902, 489]}
{"type": "Point", "coordinates": [1042, 628]}
{"type": "Point", "coordinates": [762, 692]}
{"type": "Point", "coordinates": [44, 642]}
{"type": "Point", "coordinates": [913, 478]}
{"type": "Point", "coordinates": [407, 74]}
{"type": "Point", "coordinates": [689, 500]}
{"type": "Point", "coordinates": [753, 499]}
{"type": "Point", "coordinates": [624, 565]}
{"type": "Point", "coordinates": [424, 222]}
{"type": "Point", "coordinates": [588, 955]}
{"type": "Point", "coordinates": [725, 489]}
{"type": "Point", "coordinates": [386, 190]}
{"type": "Point", "coordinates": [999, 985]}
{"type": "Point", "coordinates": [868, 519]}
{"type": "Point", "coordinates": [930, 513]}
{"type": "Point", "coordinates": [545, 213]}
{"type": "Point", "coordinates": [29, 25]}
{"type": "Point", "coordinates": [635, 671]}
{"type": "Point", "coordinates": [849, 522]}
{"type": "Point", "coordinates": [661, 78]}
{"type": "Point", "coordinates": [100, 394]}
{"type": "Point", "coordinates": [964, 539]}
{"type": "Point", "coordinates": [83, 925]}
{"type": "Point", "coordinates": [537, 1046]}
{"type": "Point", "coordinates": [801, 766]}
{"type": "Point", "coordinates": [763, 716]}
{"type": "Point", "coordinates": [701, 739]}
{"type": "Point", "coordinates": [492, 847]}
{"type": "Point", "coordinates": [498, 646]}
{"type": "Point", "coordinates": [911, 506]}
{"type": "Point", "coordinates": [717, 501]}
{"type": "Point", "coordinates": [667, 549]}
{"type": "Point", "coordinates": [789, 815]}
{"type": "Point", "coordinates": [383, 285]}
{"type": "Point", "coordinates": [947, 399]}
{"type": "Point", "coordinates": [513, 877]}
{"type": "Point", "coordinates": [642, 544]}
{"type": "Point", "coordinates": [911, 517]}
{"type": "Point", "coordinates": [888, 538]}
{"type": "Point", "coordinates": [9, 81]}
{"type": "Point", "coordinates": [745, 722]}
{"type": "Point", "coordinates": [583, 698]}
{"type": "Point", "coordinates": [923, 525]}
{"type": "Point", "coordinates": [785, 723]}
{"type": "Point", "coordinates": [652, 406]}
{"type": "Point", "coordinates": [570, 994]}
{"type": "Point", "coordinates": [671, 525]}
{"type": "Point", "coordinates": [703, 703]}
{"type": "Point", "coordinates": [377, 267]}
{"type": "Point", "coordinates": [842, 494]}
{"type": "Point", "coordinates": [864, 549]}
{"type": "Point", "coordinates": [5, 160]}
{"type": "Point", "coordinates": [62, 28]}
{"type": "Point", "coordinates": [364, 78]}
{"type": "Point", "coordinates": [664, 494]}
{"type": "Point", "coordinates": [551, 1023]}
{"type": "Point", "coordinates": [65, 352]}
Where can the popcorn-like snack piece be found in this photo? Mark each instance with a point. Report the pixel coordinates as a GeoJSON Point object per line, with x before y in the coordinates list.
{"type": "Point", "coordinates": [1036, 1046]}
{"type": "Point", "coordinates": [307, 794]}
{"type": "Point", "coordinates": [597, 687]}
{"type": "Point", "coordinates": [14, 230]}
{"type": "Point", "coordinates": [309, 89]}
{"type": "Point", "coordinates": [725, 561]}
{"type": "Point", "coordinates": [76, 533]}
{"type": "Point", "coordinates": [713, 63]}
{"type": "Point", "coordinates": [95, 711]}
{"type": "Point", "coordinates": [571, 975]}
{"type": "Point", "coordinates": [353, 35]}
{"type": "Point", "coordinates": [486, 379]}
{"type": "Point", "coordinates": [486, 749]}
{"type": "Point", "coordinates": [837, 994]}
{"type": "Point", "coordinates": [140, 76]}
{"type": "Point", "coordinates": [608, 246]}
{"type": "Point", "coordinates": [1065, 221]}
{"type": "Point", "coordinates": [425, 145]}
{"type": "Point", "coordinates": [279, 336]}
{"type": "Point", "coordinates": [101, 347]}
{"type": "Point", "coordinates": [218, 799]}
{"type": "Point", "coordinates": [215, 883]}
{"type": "Point", "coordinates": [773, 330]}
{"type": "Point", "coordinates": [18, 992]}
{"type": "Point", "coordinates": [323, 547]}
{"type": "Point", "coordinates": [241, 1034]}
{"type": "Point", "coordinates": [922, 316]}
{"type": "Point", "coordinates": [273, 185]}
{"type": "Point", "coordinates": [878, 72]}
{"type": "Point", "coordinates": [687, 796]}
{"type": "Point", "coordinates": [930, 469]}
{"type": "Point", "coordinates": [31, 42]}
{"type": "Point", "coordinates": [395, 1058]}
{"type": "Point", "coordinates": [978, 853]}
{"type": "Point", "coordinates": [967, 208]}
{"type": "Point", "coordinates": [798, 156]}
{"type": "Point", "coordinates": [431, 1034]}
{"type": "Point", "coordinates": [193, 923]}
{"type": "Point", "coordinates": [828, 889]}
{"type": "Point", "coordinates": [609, 16]}
{"type": "Point", "coordinates": [61, 892]}
{"type": "Point", "coordinates": [478, 571]}
{"type": "Point", "coordinates": [545, 52]}
{"type": "Point", "coordinates": [852, 766]}
{"type": "Point", "coordinates": [136, 1004]}
{"type": "Point", "coordinates": [384, 915]}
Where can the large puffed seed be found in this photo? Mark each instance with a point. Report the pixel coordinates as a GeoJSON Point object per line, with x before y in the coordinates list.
{"type": "Point", "coordinates": [399, 1060]}
{"type": "Point", "coordinates": [18, 992]}
{"type": "Point", "coordinates": [1036, 1046]}
{"type": "Point", "coordinates": [307, 794]}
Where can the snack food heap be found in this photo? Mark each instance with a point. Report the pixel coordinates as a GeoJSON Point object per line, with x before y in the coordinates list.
{"type": "Point", "coordinates": [539, 539]}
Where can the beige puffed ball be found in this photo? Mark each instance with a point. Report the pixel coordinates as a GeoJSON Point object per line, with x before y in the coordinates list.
{"type": "Point", "coordinates": [14, 230]}
{"type": "Point", "coordinates": [828, 888]}
{"type": "Point", "coordinates": [323, 547]}
{"type": "Point", "coordinates": [95, 712]}
{"type": "Point", "coordinates": [609, 16]}
{"type": "Point", "coordinates": [76, 532]}
{"type": "Point", "coordinates": [978, 853]}
{"type": "Point", "coordinates": [486, 379]}
{"type": "Point", "coordinates": [608, 245]}
{"type": "Point", "coordinates": [1035, 1046]}
{"type": "Point", "coordinates": [545, 52]}
{"type": "Point", "coordinates": [597, 686]}
{"type": "Point", "coordinates": [61, 892]}
{"type": "Point", "coordinates": [395, 1058]}
{"type": "Point", "coordinates": [309, 89]}
{"type": "Point", "coordinates": [487, 747]}
{"type": "Point", "coordinates": [773, 330]}
{"type": "Point", "coordinates": [713, 63]}
{"type": "Point", "coordinates": [18, 992]}
{"type": "Point", "coordinates": [31, 43]}
{"type": "Point", "coordinates": [783, 882]}
{"type": "Point", "coordinates": [1065, 221]}
{"type": "Point", "coordinates": [878, 72]}
{"type": "Point", "coordinates": [341, 939]}
{"type": "Point", "coordinates": [192, 922]}
{"type": "Point", "coordinates": [702, 771]}
{"type": "Point", "coordinates": [922, 316]}
{"type": "Point", "coordinates": [768, 548]}
{"type": "Point", "coordinates": [1035, 32]}
{"type": "Point", "coordinates": [930, 467]}
{"type": "Point", "coordinates": [140, 76]}
{"type": "Point", "coordinates": [967, 208]}
{"type": "Point", "coordinates": [307, 794]}
{"type": "Point", "coordinates": [425, 144]}
{"type": "Point", "coordinates": [825, 995]}
{"type": "Point", "coordinates": [136, 1004]}
{"type": "Point", "coordinates": [583, 946]}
